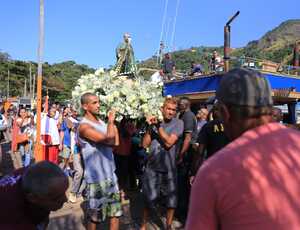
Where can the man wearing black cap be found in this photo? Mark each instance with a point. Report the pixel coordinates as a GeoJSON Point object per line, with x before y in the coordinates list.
{"type": "Point", "coordinates": [253, 182]}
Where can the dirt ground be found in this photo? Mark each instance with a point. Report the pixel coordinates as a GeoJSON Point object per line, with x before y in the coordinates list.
{"type": "Point", "coordinates": [71, 216]}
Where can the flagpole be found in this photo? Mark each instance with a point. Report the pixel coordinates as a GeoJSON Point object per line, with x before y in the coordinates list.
{"type": "Point", "coordinates": [38, 147]}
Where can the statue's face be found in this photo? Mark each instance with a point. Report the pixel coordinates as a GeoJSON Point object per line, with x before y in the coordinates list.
{"type": "Point", "coordinates": [127, 38]}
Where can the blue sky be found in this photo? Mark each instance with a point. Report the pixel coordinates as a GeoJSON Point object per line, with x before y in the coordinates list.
{"type": "Point", "coordinates": [89, 31]}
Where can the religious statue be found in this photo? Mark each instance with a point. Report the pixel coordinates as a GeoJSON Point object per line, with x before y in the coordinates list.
{"type": "Point", "coordinates": [125, 57]}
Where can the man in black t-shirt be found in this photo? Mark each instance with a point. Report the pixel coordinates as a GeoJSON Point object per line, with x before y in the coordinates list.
{"type": "Point", "coordinates": [190, 127]}
{"type": "Point", "coordinates": [211, 139]}
{"type": "Point", "coordinates": [185, 155]}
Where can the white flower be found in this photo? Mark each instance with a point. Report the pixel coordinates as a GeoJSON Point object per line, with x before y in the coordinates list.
{"type": "Point", "coordinates": [131, 98]}
{"type": "Point", "coordinates": [112, 73]}
{"type": "Point", "coordinates": [116, 94]}
{"type": "Point", "coordinates": [143, 98]}
{"type": "Point", "coordinates": [99, 71]}
{"type": "Point", "coordinates": [110, 98]}
{"type": "Point", "coordinates": [83, 87]}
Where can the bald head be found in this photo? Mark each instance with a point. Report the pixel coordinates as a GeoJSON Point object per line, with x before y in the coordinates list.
{"type": "Point", "coordinates": [184, 104]}
{"type": "Point", "coordinates": [86, 97]}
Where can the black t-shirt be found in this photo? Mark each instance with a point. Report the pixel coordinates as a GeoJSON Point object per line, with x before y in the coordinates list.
{"type": "Point", "coordinates": [213, 137]}
{"type": "Point", "coordinates": [190, 123]}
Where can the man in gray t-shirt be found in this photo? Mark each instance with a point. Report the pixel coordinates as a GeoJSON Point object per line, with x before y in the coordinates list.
{"type": "Point", "coordinates": [162, 159]}
{"type": "Point", "coordinates": [160, 174]}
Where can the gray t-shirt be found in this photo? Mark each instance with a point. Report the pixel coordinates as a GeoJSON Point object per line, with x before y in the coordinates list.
{"type": "Point", "coordinates": [99, 164]}
{"type": "Point", "coordinates": [168, 65]}
{"type": "Point", "coordinates": [162, 159]}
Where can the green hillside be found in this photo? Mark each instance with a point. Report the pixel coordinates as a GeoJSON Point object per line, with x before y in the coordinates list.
{"type": "Point", "coordinates": [58, 79]}
{"type": "Point", "coordinates": [276, 45]}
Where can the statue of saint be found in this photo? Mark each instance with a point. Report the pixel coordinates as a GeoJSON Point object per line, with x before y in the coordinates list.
{"type": "Point", "coordinates": [125, 57]}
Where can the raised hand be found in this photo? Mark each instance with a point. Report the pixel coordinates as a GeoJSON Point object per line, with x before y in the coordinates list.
{"type": "Point", "coordinates": [151, 120]}
{"type": "Point", "coordinates": [111, 116]}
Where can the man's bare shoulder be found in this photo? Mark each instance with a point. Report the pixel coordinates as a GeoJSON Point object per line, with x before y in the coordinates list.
{"type": "Point", "coordinates": [83, 127]}
{"type": "Point", "coordinates": [87, 130]}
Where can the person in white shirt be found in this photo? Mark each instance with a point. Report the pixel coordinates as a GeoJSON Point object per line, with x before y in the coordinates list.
{"type": "Point", "coordinates": [50, 137]}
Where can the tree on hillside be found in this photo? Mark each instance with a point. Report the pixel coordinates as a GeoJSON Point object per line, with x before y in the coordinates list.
{"type": "Point", "coordinates": [58, 79]}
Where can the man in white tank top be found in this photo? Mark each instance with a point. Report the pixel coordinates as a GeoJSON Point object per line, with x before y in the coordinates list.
{"type": "Point", "coordinates": [96, 140]}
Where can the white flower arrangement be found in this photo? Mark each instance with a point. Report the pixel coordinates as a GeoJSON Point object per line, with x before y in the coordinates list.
{"type": "Point", "coordinates": [134, 99]}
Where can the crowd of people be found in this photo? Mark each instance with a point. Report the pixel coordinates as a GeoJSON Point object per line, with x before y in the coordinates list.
{"type": "Point", "coordinates": [232, 165]}
{"type": "Point", "coordinates": [58, 137]}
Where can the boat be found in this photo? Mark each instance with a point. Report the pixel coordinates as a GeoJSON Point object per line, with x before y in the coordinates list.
{"type": "Point", "coordinates": [199, 89]}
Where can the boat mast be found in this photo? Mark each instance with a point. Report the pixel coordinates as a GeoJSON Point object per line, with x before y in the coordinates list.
{"type": "Point", "coordinates": [161, 43]}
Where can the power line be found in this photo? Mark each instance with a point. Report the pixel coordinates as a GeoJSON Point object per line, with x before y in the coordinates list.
{"type": "Point", "coordinates": [174, 25]}
{"type": "Point", "coordinates": [167, 33]}
{"type": "Point", "coordinates": [164, 21]}
{"type": "Point", "coordinates": [162, 31]}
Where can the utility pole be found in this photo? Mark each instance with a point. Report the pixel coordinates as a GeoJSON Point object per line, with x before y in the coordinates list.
{"type": "Point", "coordinates": [30, 81]}
{"type": "Point", "coordinates": [25, 88]}
{"type": "Point", "coordinates": [8, 73]}
{"type": "Point", "coordinates": [227, 41]}
{"type": "Point", "coordinates": [39, 156]}
{"type": "Point", "coordinates": [33, 87]}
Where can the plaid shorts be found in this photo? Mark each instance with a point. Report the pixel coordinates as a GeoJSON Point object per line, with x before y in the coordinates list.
{"type": "Point", "coordinates": [104, 201]}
